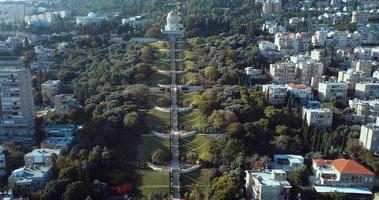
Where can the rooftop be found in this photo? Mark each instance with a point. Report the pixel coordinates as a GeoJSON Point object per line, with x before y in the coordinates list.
{"type": "Point", "coordinates": [267, 177]}
{"type": "Point", "coordinates": [345, 166]}
{"type": "Point", "coordinates": [345, 190]}
{"type": "Point", "coordinates": [299, 86]}
{"type": "Point", "coordinates": [42, 152]}
{"type": "Point", "coordinates": [26, 174]}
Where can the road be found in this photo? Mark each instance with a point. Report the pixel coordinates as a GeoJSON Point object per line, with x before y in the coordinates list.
{"type": "Point", "coordinates": [175, 165]}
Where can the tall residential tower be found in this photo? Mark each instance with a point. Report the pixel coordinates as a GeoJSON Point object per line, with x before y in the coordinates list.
{"type": "Point", "coordinates": [17, 114]}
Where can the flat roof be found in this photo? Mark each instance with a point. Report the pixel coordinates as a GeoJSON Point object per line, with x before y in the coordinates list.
{"type": "Point", "coordinates": [347, 190]}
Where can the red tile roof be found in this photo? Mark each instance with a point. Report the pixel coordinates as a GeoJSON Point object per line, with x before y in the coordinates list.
{"type": "Point", "coordinates": [299, 86]}
{"type": "Point", "coordinates": [345, 166]}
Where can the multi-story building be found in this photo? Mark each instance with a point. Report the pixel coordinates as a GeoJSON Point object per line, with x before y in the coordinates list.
{"type": "Point", "coordinates": [275, 94]}
{"type": "Point", "coordinates": [283, 72]}
{"type": "Point", "coordinates": [287, 162]}
{"type": "Point", "coordinates": [330, 90]}
{"type": "Point", "coordinates": [365, 66]}
{"type": "Point", "coordinates": [367, 109]}
{"type": "Point", "coordinates": [300, 69]}
{"type": "Point", "coordinates": [13, 14]}
{"type": "Point", "coordinates": [49, 17]}
{"type": "Point", "coordinates": [64, 103]}
{"type": "Point", "coordinates": [266, 184]}
{"type": "Point", "coordinates": [49, 89]}
{"type": "Point", "coordinates": [292, 43]}
{"type": "Point", "coordinates": [91, 18]}
{"type": "Point", "coordinates": [17, 108]}
{"type": "Point", "coordinates": [306, 69]}
{"type": "Point", "coordinates": [31, 178]}
{"type": "Point", "coordinates": [351, 77]}
{"type": "Point", "coordinates": [367, 90]}
{"type": "Point", "coordinates": [321, 117]}
{"type": "Point", "coordinates": [40, 157]}
{"type": "Point", "coordinates": [319, 38]}
{"type": "Point", "coordinates": [60, 130]}
{"type": "Point", "coordinates": [369, 137]}
{"type": "Point", "coordinates": [272, 27]}
{"type": "Point", "coordinates": [341, 175]}
{"type": "Point", "coordinates": [57, 142]}
{"type": "Point", "coordinates": [360, 16]}
{"type": "Point", "coordinates": [301, 91]}
{"type": "Point", "coordinates": [271, 6]}
{"type": "Point", "coordinates": [316, 80]}
{"type": "Point", "coordinates": [2, 163]}
{"type": "Point", "coordinates": [253, 72]}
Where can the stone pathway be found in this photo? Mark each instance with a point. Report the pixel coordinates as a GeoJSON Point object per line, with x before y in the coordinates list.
{"type": "Point", "coordinates": [175, 165]}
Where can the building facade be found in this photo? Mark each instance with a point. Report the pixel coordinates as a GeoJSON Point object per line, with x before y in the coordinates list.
{"type": "Point", "coordinates": [321, 117]}
{"type": "Point", "coordinates": [369, 137]}
{"type": "Point", "coordinates": [49, 89]}
{"type": "Point", "coordinates": [262, 185]}
{"type": "Point", "coordinates": [17, 114]}
{"type": "Point", "coordinates": [330, 90]}
{"type": "Point", "coordinates": [275, 94]}
{"type": "Point", "coordinates": [367, 90]}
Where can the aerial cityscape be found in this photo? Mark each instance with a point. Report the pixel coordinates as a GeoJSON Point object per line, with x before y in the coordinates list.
{"type": "Point", "coordinates": [189, 99]}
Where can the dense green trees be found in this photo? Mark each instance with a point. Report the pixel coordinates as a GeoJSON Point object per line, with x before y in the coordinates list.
{"type": "Point", "coordinates": [225, 188]}
{"type": "Point", "coordinates": [75, 191]}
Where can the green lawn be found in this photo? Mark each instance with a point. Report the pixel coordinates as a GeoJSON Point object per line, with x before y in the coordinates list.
{"type": "Point", "coordinates": [200, 178]}
{"type": "Point", "coordinates": [150, 182]}
{"type": "Point", "coordinates": [155, 96]}
{"type": "Point", "coordinates": [150, 143]}
{"type": "Point", "coordinates": [162, 65]}
{"type": "Point", "coordinates": [158, 45]}
{"type": "Point", "coordinates": [157, 120]}
{"type": "Point", "coordinates": [155, 78]}
{"type": "Point", "coordinates": [194, 119]}
{"type": "Point", "coordinates": [199, 144]}
{"type": "Point", "coordinates": [187, 98]}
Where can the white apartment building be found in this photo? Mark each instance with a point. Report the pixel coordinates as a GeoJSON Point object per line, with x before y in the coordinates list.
{"type": "Point", "coordinates": [13, 13]}
{"type": "Point", "coordinates": [369, 137]}
{"type": "Point", "coordinates": [344, 39]}
{"type": "Point", "coordinates": [363, 65]}
{"type": "Point", "coordinates": [265, 185]}
{"type": "Point", "coordinates": [300, 69]}
{"type": "Point", "coordinates": [273, 27]}
{"type": "Point", "coordinates": [330, 90]}
{"type": "Point", "coordinates": [359, 16]}
{"type": "Point", "coordinates": [17, 108]}
{"type": "Point", "coordinates": [292, 43]}
{"type": "Point", "coordinates": [321, 117]}
{"type": "Point", "coordinates": [275, 94]}
{"type": "Point", "coordinates": [91, 18]}
{"type": "Point", "coordinates": [351, 77]}
{"type": "Point", "coordinates": [47, 16]}
{"type": "Point", "coordinates": [271, 6]}
{"type": "Point", "coordinates": [283, 72]}
{"type": "Point", "coordinates": [32, 178]}
{"type": "Point", "coordinates": [319, 38]}
{"type": "Point", "coordinates": [301, 91]}
{"type": "Point", "coordinates": [267, 48]}
{"type": "Point", "coordinates": [40, 157]}
{"type": "Point", "coordinates": [341, 175]}
{"type": "Point", "coordinates": [288, 162]}
{"type": "Point", "coordinates": [2, 163]}
{"type": "Point", "coordinates": [49, 89]}
{"type": "Point", "coordinates": [253, 72]}
{"type": "Point", "coordinates": [64, 103]}
{"type": "Point", "coordinates": [368, 109]}
{"type": "Point", "coordinates": [367, 90]}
